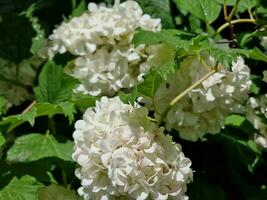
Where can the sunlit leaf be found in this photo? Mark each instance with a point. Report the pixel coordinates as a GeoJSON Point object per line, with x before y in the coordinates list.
{"type": "Point", "coordinates": [21, 189]}
{"type": "Point", "coordinates": [35, 146]}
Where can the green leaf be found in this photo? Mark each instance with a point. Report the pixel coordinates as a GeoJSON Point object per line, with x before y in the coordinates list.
{"type": "Point", "coordinates": [2, 139]}
{"type": "Point", "coordinates": [247, 37]}
{"type": "Point", "coordinates": [206, 10]}
{"type": "Point", "coordinates": [158, 9]}
{"type": "Point", "coordinates": [235, 120]}
{"type": "Point", "coordinates": [77, 11]}
{"type": "Point", "coordinates": [174, 38]}
{"type": "Point", "coordinates": [228, 2]}
{"type": "Point", "coordinates": [129, 97]}
{"type": "Point", "coordinates": [83, 101]}
{"type": "Point", "coordinates": [57, 192]}
{"type": "Point", "coordinates": [39, 39]}
{"type": "Point", "coordinates": [154, 78]}
{"type": "Point", "coordinates": [36, 146]}
{"type": "Point", "coordinates": [25, 188]}
{"type": "Point", "coordinates": [3, 105]}
{"type": "Point", "coordinates": [15, 37]}
{"type": "Point", "coordinates": [68, 109]}
{"type": "Point", "coordinates": [243, 5]}
{"type": "Point", "coordinates": [256, 54]}
{"type": "Point", "coordinates": [54, 86]}
{"type": "Point", "coordinates": [38, 110]}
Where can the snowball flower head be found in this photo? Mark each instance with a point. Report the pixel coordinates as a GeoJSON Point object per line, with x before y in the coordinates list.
{"type": "Point", "coordinates": [204, 108]}
{"type": "Point", "coordinates": [123, 155]}
{"type": "Point", "coordinates": [101, 38]}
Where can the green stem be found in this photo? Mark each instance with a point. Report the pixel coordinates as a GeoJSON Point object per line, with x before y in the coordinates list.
{"type": "Point", "coordinates": [64, 175]}
{"type": "Point", "coordinates": [233, 11]}
{"type": "Point", "coordinates": [52, 125]}
{"type": "Point", "coordinates": [236, 21]}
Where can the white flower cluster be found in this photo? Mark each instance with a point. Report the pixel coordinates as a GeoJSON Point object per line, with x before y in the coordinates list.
{"type": "Point", "coordinates": [256, 113]}
{"type": "Point", "coordinates": [101, 39]}
{"type": "Point", "coordinates": [123, 155]}
{"type": "Point", "coordinates": [17, 78]}
{"type": "Point", "coordinates": [204, 108]}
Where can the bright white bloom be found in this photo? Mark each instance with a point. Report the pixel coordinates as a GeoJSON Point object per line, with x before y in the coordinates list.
{"type": "Point", "coordinates": [14, 92]}
{"type": "Point", "coordinates": [101, 38]}
{"type": "Point", "coordinates": [100, 26]}
{"type": "Point", "coordinates": [203, 109]}
{"type": "Point", "coordinates": [261, 141]}
{"type": "Point", "coordinates": [123, 155]}
{"type": "Point", "coordinates": [256, 112]}
{"type": "Point", "coordinates": [107, 71]}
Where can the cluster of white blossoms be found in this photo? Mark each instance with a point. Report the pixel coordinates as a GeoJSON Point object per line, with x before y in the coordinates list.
{"type": "Point", "coordinates": [256, 114]}
{"type": "Point", "coordinates": [16, 78]}
{"type": "Point", "coordinates": [101, 38]}
{"type": "Point", "coordinates": [203, 109]}
{"type": "Point", "coordinates": [123, 155]}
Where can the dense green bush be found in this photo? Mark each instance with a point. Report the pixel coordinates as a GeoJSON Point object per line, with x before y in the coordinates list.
{"type": "Point", "coordinates": [202, 76]}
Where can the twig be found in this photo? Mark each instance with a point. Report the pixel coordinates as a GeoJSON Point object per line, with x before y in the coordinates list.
{"type": "Point", "coordinates": [181, 95]}
{"type": "Point", "coordinates": [29, 107]}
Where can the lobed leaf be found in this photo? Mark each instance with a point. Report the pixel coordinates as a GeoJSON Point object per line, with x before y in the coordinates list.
{"type": "Point", "coordinates": [38, 110]}
{"type": "Point", "coordinates": [57, 192]}
{"type": "Point", "coordinates": [54, 86]}
{"type": "Point", "coordinates": [36, 146]}
{"type": "Point", "coordinates": [206, 10]}
{"type": "Point", "coordinates": [21, 189]}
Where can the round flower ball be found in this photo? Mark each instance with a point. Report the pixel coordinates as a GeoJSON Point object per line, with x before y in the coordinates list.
{"type": "Point", "coordinates": [101, 39]}
{"type": "Point", "coordinates": [203, 109]}
{"type": "Point", "coordinates": [123, 155]}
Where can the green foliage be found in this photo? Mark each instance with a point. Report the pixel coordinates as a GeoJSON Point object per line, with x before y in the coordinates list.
{"type": "Point", "coordinates": [153, 80]}
{"type": "Point", "coordinates": [83, 101]}
{"type": "Point", "coordinates": [159, 9]}
{"type": "Point", "coordinates": [36, 146]}
{"type": "Point", "coordinates": [39, 40]}
{"type": "Point", "coordinates": [54, 86]}
{"type": "Point", "coordinates": [53, 192]}
{"type": "Point", "coordinates": [206, 10]}
{"type": "Point", "coordinates": [36, 137]}
{"type": "Point", "coordinates": [39, 110]}
{"type": "Point", "coordinates": [175, 38]}
{"type": "Point", "coordinates": [3, 105]}
{"type": "Point", "coordinates": [20, 189]}
{"type": "Point", "coordinates": [78, 9]}
{"type": "Point", "coordinates": [2, 140]}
